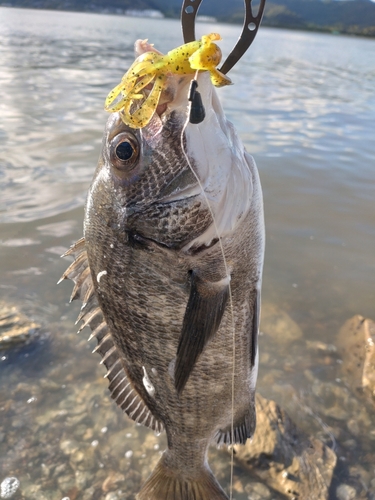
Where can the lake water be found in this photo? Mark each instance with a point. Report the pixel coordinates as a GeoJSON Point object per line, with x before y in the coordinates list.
{"type": "Point", "coordinates": [304, 105]}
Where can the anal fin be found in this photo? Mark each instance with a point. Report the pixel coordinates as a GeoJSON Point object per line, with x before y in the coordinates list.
{"type": "Point", "coordinates": [243, 429]}
{"type": "Point", "coordinates": [204, 311]}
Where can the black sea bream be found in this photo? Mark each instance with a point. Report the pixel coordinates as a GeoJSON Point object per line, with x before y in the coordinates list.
{"type": "Point", "coordinates": [176, 324]}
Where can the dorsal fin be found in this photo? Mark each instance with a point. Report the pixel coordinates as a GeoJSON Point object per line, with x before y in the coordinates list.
{"type": "Point", "coordinates": [121, 388]}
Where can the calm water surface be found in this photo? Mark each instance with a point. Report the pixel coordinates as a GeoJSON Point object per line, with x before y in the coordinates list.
{"type": "Point", "coordinates": [304, 105]}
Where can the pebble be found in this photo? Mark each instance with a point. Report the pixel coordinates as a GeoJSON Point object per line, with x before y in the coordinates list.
{"type": "Point", "coordinates": [345, 492]}
{"type": "Point", "coordinates": [316, 345]}
{"type": "Point", "coordinates": [68, 446]}
{"type": "Point", "coordinates": [15, 328]}
{"type": "Point", "coordinates": [8, 487]}
{"type": "Point", "coordinates": [257, 491]}
{"type": "Point", "coordinates": [112, 496]}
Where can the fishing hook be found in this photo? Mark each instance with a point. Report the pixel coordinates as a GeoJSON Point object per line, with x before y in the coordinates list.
{"type": "Point", "coordinates": [249, 30]}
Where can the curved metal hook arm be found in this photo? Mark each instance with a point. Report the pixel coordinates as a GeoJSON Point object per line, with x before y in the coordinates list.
{"type": "Point", "coordinates": [249, 31]}
{"type": "Point", "coordinates": [188, 14]}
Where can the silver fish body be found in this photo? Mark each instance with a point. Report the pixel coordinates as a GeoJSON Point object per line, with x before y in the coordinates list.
{"type": "Point", "coordinates": [176, 323]}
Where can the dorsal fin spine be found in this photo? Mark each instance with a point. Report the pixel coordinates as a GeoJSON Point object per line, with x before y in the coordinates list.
{"type": "Point", "coordinates": [112, 368]}
{"type": "Point", "coordinates": [106, 337]}
{"type": "Point", "coordinates": [79, 283]}
{"type": "Point", "coordinates": [108, 354]}
{"type": "Point", "coordinates": [91, 314]}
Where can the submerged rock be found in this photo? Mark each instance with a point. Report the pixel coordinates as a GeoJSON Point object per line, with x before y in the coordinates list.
{"type": "Point", "coordinates": [285, 458]}
{"type": "Point", "coordinates": [9, 487]}
{"type": "Point", "coordinates": [356, 344]}
{"type": "Point", "coordinates": [15, 328]}
{"type": "Point", "coordinates": [277, 324]}
{"type": "Point", "coordinates": [346, 492]}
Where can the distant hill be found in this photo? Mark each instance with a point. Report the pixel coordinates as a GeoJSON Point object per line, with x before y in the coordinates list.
{"type": "Point", "coordinates": [115, 6]}
{"type": "Point", "coordinates": [350, 16]}
{"type": "Point", "coordinates": [347, 16]}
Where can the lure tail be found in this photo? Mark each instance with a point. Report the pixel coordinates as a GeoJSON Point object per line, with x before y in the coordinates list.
{"type": "Point", "coordinates": [166, 483]}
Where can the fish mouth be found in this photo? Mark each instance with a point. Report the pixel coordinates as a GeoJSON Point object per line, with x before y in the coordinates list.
{"type": "Point", "coordinates": [138, 208]}
{"type": "Point", "coordinates": [139, 241]}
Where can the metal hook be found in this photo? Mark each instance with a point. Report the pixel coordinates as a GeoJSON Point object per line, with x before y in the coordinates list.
{"type": "Point", "coordinates": [188, 14]}
{"type": "Point", "coordinates": [249, 30]}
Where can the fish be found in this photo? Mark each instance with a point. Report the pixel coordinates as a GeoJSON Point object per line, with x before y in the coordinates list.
{"type": "Point", "coordinates": [169, 271]}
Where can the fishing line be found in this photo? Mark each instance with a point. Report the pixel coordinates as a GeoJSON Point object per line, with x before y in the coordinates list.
{"type": "Point", "coordinates": [187, 121]}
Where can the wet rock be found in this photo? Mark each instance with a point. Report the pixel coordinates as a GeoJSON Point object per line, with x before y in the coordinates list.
{"type": "Point", "coordinates": [112, 496]}
{"type": "Point", "coordinates": [15, 328]}
{"type": "Point", "coordinates": [49, 385]}
{"type": "Point", "coordinates": [346, 492]}
{"type": "Point", "coordinates": [277, 324]}
{"type": "Point", "coordinates": [258, 491]}
{"type": "Point", "coordinates": [317, 345]}
{"type": "Point", "coordinates": [89, 493]}
{"type": "Point", "coordinates": [333, 400]}
{"type": "Point", "coordinates": [356, 344]}
{"type": "Point", "coordinates": [68, 446]}
{"type": "Point", "coordinates": [112, 481]}
{"type": "Point", "coordinates": [33, 492]}
{"type": "Point", "coordinates": [83, 479]}
{"type": "Point", "coordinates": [83, 458]}
{"type": "Point", "coordinates": [285, 458]}
{"type": "Point", "coordinates": [66, 483]}
{"type": "Point", "coordinates": [8, 487]}
{"type": "Point", "coordinates": [51, 415]}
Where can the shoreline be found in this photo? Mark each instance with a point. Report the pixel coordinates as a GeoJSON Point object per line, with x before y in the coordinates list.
{"type": "Point", "coordinates": [309, 29]}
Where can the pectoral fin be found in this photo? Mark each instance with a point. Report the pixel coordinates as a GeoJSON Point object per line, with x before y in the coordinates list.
{"type": "Point", "coordinates": [204, 311]}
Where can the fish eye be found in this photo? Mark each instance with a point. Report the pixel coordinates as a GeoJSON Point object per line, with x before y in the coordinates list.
{"type": "Point", "coordinates": [124, 151]}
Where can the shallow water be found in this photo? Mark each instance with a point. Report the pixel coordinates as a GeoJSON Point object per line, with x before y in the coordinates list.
{"type": "Point", "coordinates": [304, 105]}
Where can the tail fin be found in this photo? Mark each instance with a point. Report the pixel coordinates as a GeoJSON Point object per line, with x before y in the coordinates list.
{"type": "Point", "coordinates": [168, 484]}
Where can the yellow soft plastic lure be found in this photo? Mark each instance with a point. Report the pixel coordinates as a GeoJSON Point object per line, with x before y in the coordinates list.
{"type": "Point", "coordinates": [152, 69]}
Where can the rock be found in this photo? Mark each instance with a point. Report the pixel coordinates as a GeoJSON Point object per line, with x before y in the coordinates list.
{"type": "Point", "coordinates": [112, 496]}
{"type": "Point", "coordinates": [66, 482]}
{"type": "Point", "coordinates": [112, 481]}
{"type": "Point", "coordinates": [258, 491]}
{"type": "Point", "coordinates": [345, 492]}
{"type": "Point", "coordinates": [356, 344]}
{"type": "Point", "coordinates": [333, 400]}
{"type": "Point", "coordinates": [8, 487]}
{"type": "Point", "coordinates": [317, 345]}
{"type": "Point", "coordinates": [15, 328]}
{"type": "Point", "coordinates": [68, 446]}
{"type": "Point", "coordinates": [285, 458]}
{"type": "Point", "coordinates": [278, 324]}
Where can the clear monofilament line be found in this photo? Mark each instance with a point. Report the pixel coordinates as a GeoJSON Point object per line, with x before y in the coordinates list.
{"type": "Point", "coordinates": [230, 290]}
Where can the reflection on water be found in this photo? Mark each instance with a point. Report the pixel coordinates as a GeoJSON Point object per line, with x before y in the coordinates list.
{"type": "Point", "coordinates": [305, 107]}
